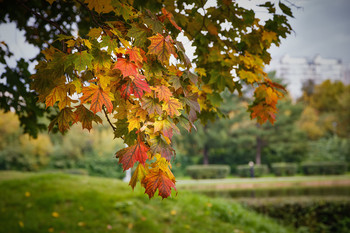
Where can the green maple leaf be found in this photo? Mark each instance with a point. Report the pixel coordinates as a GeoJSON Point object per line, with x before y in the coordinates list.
{"type": "Point", "coordinates": [139, 33]}
{"type": "Point", "coordinates": [110, 43]}
{"type": "Point", "coordinates": [80, 60]}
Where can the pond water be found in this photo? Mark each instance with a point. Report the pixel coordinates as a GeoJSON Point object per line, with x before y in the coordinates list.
{"type": "Point", "coordinates": [341, 191]}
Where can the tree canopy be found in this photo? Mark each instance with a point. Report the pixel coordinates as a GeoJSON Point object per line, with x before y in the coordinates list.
{"type": "Point", "coordinates": [123, 59]}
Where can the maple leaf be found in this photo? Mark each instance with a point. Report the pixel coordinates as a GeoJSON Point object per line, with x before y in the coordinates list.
{"type": "Point", "coordinates": [170, 17]}
{"type": "Point", "coordinates": [128, 156]}
{"type": "Point", "coordinates": [172, 107]}
{"type": "Point", "coordinates": [98, 97]}
{"type": "Point", "coordinates": [95, 32]}
{"type": "Point", "coordinates": [152, 106]}
{"type": "Point", "coordinates": [80, 60]}
{"type": "Point", "coordinates": [135, 56]}
{"type": "Point", "coordinates": [110, 43]}
{"type": "Point", "coordinates": [157, 179]}
{"type": "Point", "coordinates": [139, 174]}
{"type": "Point", "coordinates": [57, 94]}
{"type": "Point", "coordinates": [163, 93]}
{"type": "Point", "coordinates": [192, 102]}
{"type": "Point", "coordinates": [166, 127]}
{"type": "Point", "coordinates": [249, 76]}
{"type": "Point", "coordinates": [100, 6]}
{"type": "Point", "coordinates": [158, 145]}
{"type": "Point", "coordinates": [162, 47]}
{"type": "Point", "coordinates": [64, 119]}
{"type": "Point", "coordinates": [126, 67]}
{"type": "Point", "coordinates": [176, 82]}
{"type": "Point", "coordinates": [139, 33]}
{"type": "Point", "coordinates": [86, 117]}
{"type": "Point", "coordinates": [135, 86]}
{"type": "Point", "coordinates": [121, 128]}
{"type": "Point", "coordinates": [191, 76]}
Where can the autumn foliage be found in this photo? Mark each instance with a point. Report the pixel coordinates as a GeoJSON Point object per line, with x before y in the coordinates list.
{"type": "Point", "coordinates": [131, 68]}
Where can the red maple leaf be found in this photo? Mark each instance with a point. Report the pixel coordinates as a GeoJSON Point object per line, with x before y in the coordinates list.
{"type": "Point", "coordinates": [98, 97]}
{"type": "Point", "coordinates": [126, 67]}
{"type": "Point", "coordinates": [135, 86]}
{"type": "Point", "coordinates": [128, 156]}
{"type": "Point", "coordinates": [157, 179]}
{"type": "Point", "coordinates": [135, 55]}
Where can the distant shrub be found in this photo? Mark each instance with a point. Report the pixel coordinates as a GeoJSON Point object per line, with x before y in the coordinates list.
{"type": "Point", "coordinates": [324, 168]}
{"type": "Point", "coordinates": [259, 170]}
{"type": "Point", "coordinates": [102, 166]}
{"type": "Point", "coordinates": [208, 171]}
{"type": "Point", "coordinates": [284, 169]}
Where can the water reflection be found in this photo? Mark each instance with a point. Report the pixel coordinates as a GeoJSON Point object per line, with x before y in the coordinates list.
{"type": "Point", "coordinates": [281, 192]}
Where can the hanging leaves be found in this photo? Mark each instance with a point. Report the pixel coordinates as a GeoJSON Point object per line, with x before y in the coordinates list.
{"type": "Point", "coordinates": [122, 68]}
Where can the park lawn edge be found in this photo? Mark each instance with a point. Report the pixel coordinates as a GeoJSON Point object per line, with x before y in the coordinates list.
{"type": "Point", "coordinates": [73, 203]}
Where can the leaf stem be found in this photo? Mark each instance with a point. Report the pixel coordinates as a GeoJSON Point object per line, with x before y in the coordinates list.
{"type": "Point", "coordinates": [109, 121]}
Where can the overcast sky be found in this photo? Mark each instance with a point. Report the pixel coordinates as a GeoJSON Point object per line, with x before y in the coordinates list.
{"type": "Point", "coordinates": [320, 27]}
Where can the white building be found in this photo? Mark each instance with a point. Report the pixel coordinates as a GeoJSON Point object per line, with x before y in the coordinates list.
{"type": "Point", "coordinates": [297, 70]}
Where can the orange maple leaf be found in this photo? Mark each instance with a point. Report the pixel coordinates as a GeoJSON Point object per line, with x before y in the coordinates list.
{"type": "Point", "coordinates": [135, 56]}
{"type": "Point", "coordinates": [170, 17]}
{"type": "Point", "coordinates": [157, 179]}
{"type": "Point", "coordinates": [163, 93]}
{"type": "Point", "coordinates": [57, 94]}
{"type": "Point", "coordinates": [172, 107]}
{"type": "Point", "coordinates": [128, 156]}
{"type": "Point", "coordinates": [98, 97]}
{"type": "Point", "coordinates": [126, 67]}
{"type": "Point", "coordinates": [162, 47]}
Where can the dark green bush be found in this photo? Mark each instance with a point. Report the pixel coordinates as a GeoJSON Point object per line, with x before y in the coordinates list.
{"type": "Point", "coordinates": [324, 168]}
{"type": "Point", "coordinates": [259, 170]}
{"type": "Point", "coordinates": [312, 216]}
{"type": "Point", "coordinates": [208, 171]}
{"type": "Point", "coordinates": [284, 169]}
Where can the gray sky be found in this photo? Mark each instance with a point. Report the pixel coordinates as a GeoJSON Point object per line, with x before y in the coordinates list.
{"type": "Point", "coordinates": [320, 27]}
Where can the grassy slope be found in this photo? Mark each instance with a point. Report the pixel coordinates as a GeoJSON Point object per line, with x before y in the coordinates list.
{"type": "Point", "coordinates": [87, 204]}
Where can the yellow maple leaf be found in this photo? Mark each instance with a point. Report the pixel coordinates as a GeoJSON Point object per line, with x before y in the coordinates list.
{"type": "Point", "coordinates": [87, 43]}
{"type": "Point", "coordinates": [134, 122]}
{"type": "Point", "coordinates": [200, 71]}
{"type": "Point", "coordinates": [95, 32]}
{"type": "Point", "coordinates": [100, 6]}
{"type": "Point", "coordinates": [269, 36]}
{"type": "Point", "coordinates": [248, 76]}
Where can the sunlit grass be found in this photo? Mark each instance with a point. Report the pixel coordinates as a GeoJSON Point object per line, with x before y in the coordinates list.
{"type": "Point", "coordinates": [70, 203]}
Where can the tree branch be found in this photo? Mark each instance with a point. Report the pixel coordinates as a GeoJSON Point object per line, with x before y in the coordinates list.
{"type": "Point", "coordinates": [42, 17]}
{"type": "Point", "coordinates": [109, 121]}
{"type": "Point", "coordinates": [91, 14]}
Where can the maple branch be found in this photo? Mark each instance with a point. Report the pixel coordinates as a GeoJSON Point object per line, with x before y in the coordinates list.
{"type": "Point", "coordinates": [91, 14]}
{"type": "Point", "coordinates": [109, 121]}
{"type": "Point", "coordinates": [42, 17]}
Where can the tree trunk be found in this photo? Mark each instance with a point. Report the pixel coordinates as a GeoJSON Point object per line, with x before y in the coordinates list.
{"type": "Point", "coordinates": [205, 155]}
{"type": "Point", "coordinates": [205, 150]}
{"type": "Point", "coordinates": [258, 150]}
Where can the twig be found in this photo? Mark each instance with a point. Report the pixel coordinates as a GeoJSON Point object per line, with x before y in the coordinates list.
{"type": "Point", "coordinates": [91, 14]}
{"type": "Point", "coordinates": [109, 121]}
{"type": "Point", "coordinates": [42, 17]}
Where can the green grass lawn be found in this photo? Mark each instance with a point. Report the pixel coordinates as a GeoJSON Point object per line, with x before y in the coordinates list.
{"type": "Point", "coordinates": [71, 203]}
